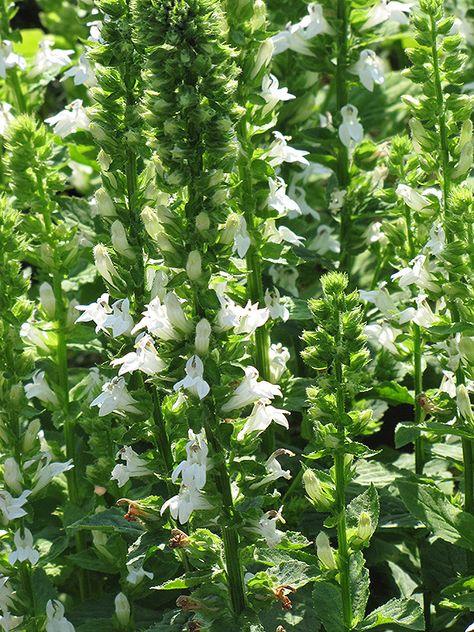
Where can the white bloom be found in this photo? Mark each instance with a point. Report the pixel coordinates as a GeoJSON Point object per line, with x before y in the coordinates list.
{"type": "Point", "coordinates": [382, 334]}
{"type": "Point", "coordinates": [412, 198]}
{"type": "Point", "coordinates": [40, 388]}
{"type": "Point", "coordinates": [279, 200]}
{"type": "Point", "coordinates": [388, 10]}
{"type": "Point", "coordinates": [34, 336]}
{"type": "Point", "coordinates": [422, 315]}
{"type": "Point", "coordinates": [314, 23]}
{"type": "Point", "coordinates": [272, 93]}
{"type": "Point", "coordinates": [136, 573]}
{"type": "Point", "coordinates": [82, 73]}
{"type": "Point", "coordinates": [9, 622]}
{"type": "Point", "coordinates": [97, 312]}
{"type": "Point", "coordinates": [298, 193]}
{"type": "Point", "coordinates": [104, 264]}
{"type": "Point", "coordinates": [275, 307]}
{"type": "Point", "coordinates": [122, 610]}
{"type": "Point", "coordinates": [157, 321]}
{"type": "Point", "coordinates": [95, 28]}
{"type": "Point", "coordinates": [437, 240]}
{"type": "Point", "coordinates": [6, 595]}
{"type": "Point", "coordinates": [194, 381]}
{"type": "Point", "coordinates": [55, 619]}
{"type": "Point", "coordinates": [285, 277]}
{"type": "Point", "coordinates": [296, 36]}
{"type": "Point", "coordinates": [448, 383]}
{"type": "Point", "coordinates": [115, 398]}
{"type": "Point", "coordinates": [280, 234]}
{"type": "Point", "coordinates": [280, 151]}
{"type": "Point", "coordinates": [12, 508]}
{"type": "Point", "coordinates": [69, 120]}
{"type": "Point", "coordinates": [251, 318]}
{"type": "Point", "coordinates": [250, 390]}
{"type": "Point", "coordinates": [134, 466]}
{"type": "Point", "coordinates": [119, 320]}
{"type": "Point", "coordinates": [336, 201]}
{"type": "Point", "coordinates": [184, 503]}
{"type": "Point", "coordinates": [24, 548]}
{"type": "Point", "coordinates": [193, 469]}
{"type": "Point", "coordinates": [380, 298]}
{"type": "Point", "coordinates": [241, 237]}
{"type": "Point", "coordinates": [267, 528]}
{"type": "Point", "coordinates": [262, 415]}
{"type": "Point", "coordinates": [49, 60]}
{"type": "Point", "coordinates": [375, 234]}
{"type": "Point", "coordinates": [351, 131]}
{"type": "Point", "coordinates": [274, 468]}
{"type": "Point", "coordinates": [6, 117]}
{"type": "Point", "coordinates": [279, 356]}
{"type": "Point", "coordinates": [229, 314]}
{"type": "Point", "coordinates": [416, 273]}
{"type": "Point", "coordinates": [325, 241]}
{"type": "Point", "coordinates": [470, 628]}
{"type": "Point", "coordinates": [9, 59]}
{"type": "Point", "coordinates": [369, 68]}
{"type": "Point", "coordinates": [144, 359]}
{"type": "Point", "coordinates": [46, 471]}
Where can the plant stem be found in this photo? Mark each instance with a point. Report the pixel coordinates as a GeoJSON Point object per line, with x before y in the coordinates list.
{"type": "Point", "coordinates": [12, 75]}
{"type": "Point", "coordinates": [342, 167]}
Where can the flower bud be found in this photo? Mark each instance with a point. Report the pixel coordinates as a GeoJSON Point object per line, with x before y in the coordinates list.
{"type": "Point", "coordinates": [264, 57]}
{"type": "Point", "coordinates": [176, 314]}
{"type": "Point", "coordinates": [315, 490]}
{"type": "Point", "coordinates": [47, 299]}
{"type": "Point", "coordinates": [31, 435]}
{"type": "Point", "coordinates": [16, 394]}
{"type": "Point", "coordinates": [203, 334]}
{"type": "Point", "coordinates": [104, 160]}
{"type": "Point", "coordinates": [154, 228]}
{"type": "Point", "coordinates": [364, 526]}
{"type": "Point", "coordinates": [35, 337]}
{"type": "Point", "coordinates": [259, 15]}
{"type": "Point", "coordinates": [104, 264]}
{"type": "Point", "coordinates": [12, 475]}
{"type": "Point", "coordinates": [464, 403]}
{"type": "Point", "coordinates": [466, 348]}
{"type": "Point", "coordinates": [46, 255]}
{"type": "Point", "coordinates": [122, 610]}
{"type": "Point", "coordinates": [104, 203]}
{"type": "Point", "coordinates": [202, 222]}
{"type": "Point", "coordinates": [120, 241]}
{"type": "Point", "coordinates": [194, 265]}
{"type": "Point", "coordinates": [325, 552]}
{"type": "Point", "coordinates": [71, 314]}
{"type": "Point", "coordinates": [231, 227]}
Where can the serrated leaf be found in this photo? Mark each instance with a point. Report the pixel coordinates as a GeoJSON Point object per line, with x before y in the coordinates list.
{"type": "Point", "coordinates": [403, 612]}
{"type": "Point", "coordinates": [329, 600]}
{"type": "Point", "coordinates": [393, 393]}
{"type": "Point", "coordinates": [112, 520]}
{"type": "Point", "coordinates": [185, 581]}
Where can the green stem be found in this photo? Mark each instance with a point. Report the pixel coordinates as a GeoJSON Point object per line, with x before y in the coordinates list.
{"type": "Point", "coordinates": [12, 74]}
{"type": "Point", "coordinates": [342, 166]}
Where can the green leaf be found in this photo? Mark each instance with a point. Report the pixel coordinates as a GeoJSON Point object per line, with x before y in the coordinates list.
{"type": "Point", "coordinates": [368, 501]}
{"type": "Point", "coordinates": [329, 600]}
{"type": "Point", "coordinates": [403, 612]}
{"type": "Point", "coordinates": [90, 561]}
{"type": "Point", "coordinates": [185, 581]}
{"type": "Point", "coordinates": [393, 393]}
{"type": "Point", "coordinates": [405, 432]}
{"type": "Point", "coordinates": [111, 520]}
{"type": "Point", "coordinates": [360, 586]}
{"type": "Point", "coordinates": [429, 505]}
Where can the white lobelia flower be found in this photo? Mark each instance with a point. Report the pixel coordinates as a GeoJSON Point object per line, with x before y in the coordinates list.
{"type": "Point", "coordinates": [448, 383]}
{"type": "Point", "coordinates": [470, 628]}
{"type": "Point", "coordinates": [104, 264]}
{"type": "Point", "coordinates": [375, 234]}
{"type": "Point", "coordinates": [9, 59]}
{"type": "Point", "coordinates": [370, 70]}
{"type": "Point", "coordinates": [422, 315]}
{"type": "Point", "coordinates": [250, 390]}
{"type": "Point", "coordinates": [136, 573]}
{"type": "Point", "coordinates": [251, 318]}
{"type": "Point", "coordinates": [412, 198]}
{"type": "Point", "coordinates": [296, 36]}
{"type": "Point", "coordinates": [6, 594]}
{"type": "Point", "coordinates": [24, 550]}
{"type": "Point", "coordinates": [115, 398]}
{"type": "Point", "coordinates": [281, 234]}
{"type": "Point", "coordinates": [166, 321]}
{"type": "Point", "coordinates": [276, 308]}
{"type": "Point", "coordinates": [97, 312]}
{"type": "Point", "coordinates": [35, 336]}
{"type": "Point", "coordinates": [40, 388]}
{"type": "Point", "coordinates": [324, 241]}
{"type": "Point", "coordinates": [272, 93]}
{"type": "Point", "coordinates": [12, 508]}
{"type": "Point", "coordinates": [382, 334]}
{"type": "Point", "coordinates": [336, 200]}
{"type": "Point", "coordinates": [193, 469]}
{"type": "Point", "coordinates": [388, 10]}
{"type": "Point", "coordinates": [262, 415]}
{"type": "Point", "coordinates": [144, 359]}
{"type": "Point", "coordinates": [267, 527]}
{"type": "Point", "coordinates": [416, 273]}
{"type": "Point", "coordinates": [194, 381]}
{"type": "Point", "coordinates": [69, 120]}
{"type": "Point", "coordinates": [280, 151]}
{"type": "Point", "coordinates": [184, 503]}
{"type": "Point", "coordinates": [55, 619]}
{"type": "Point", "coordinates": [6, 117]}
{"type": "Point", "coordinates": [119, 320]}
{"type": "Point", "coordinates": [9, 622]}
{"type": "Point", "coordinates": [437, 240]}
{"type": "Point", "coordinates": [351, 131]}
{"type": "Point", "coordinates": [279, 200]}
{"type": "Point", "coordinates": [298, 193]}
{"type": "Point", "coordinates": [274, 468]}
{"type": "Point", "coordinates": [134, 466]}
{"type": "Point", "coordinates": [325, 552]}
{"type": "Point", "coordinates": [82, 73]}
{"type": "Point", "coordinates": [279, 356]}
{"type": "Point", "coordinates": [12, 475]}
{"type": "Point", "coordinates": [49, 60]}
{"type": "Point", "coordinates": [235, 231]}
{"type": "Point", "coordinates": [229, 314]}
{"type": "Point", "coordinates": [285, 277]}
{"type": "Point", "coordinates": [380, 298]}
{"type": "Point", "coordinates": [46, 471]}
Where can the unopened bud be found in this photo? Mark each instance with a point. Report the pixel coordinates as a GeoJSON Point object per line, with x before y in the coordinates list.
{"type": "Point", "coordinates": [16, 394]}
{"type": "Point", "coordinates": [31, 435]}
{"type": "Point", "coordinates": [202, 222]}
{"type": "Point", "coordinates": [47, 299]}
{"type": "Point", "coordinates": [104, 264]}
{"type": "Point", "coordinates": [325, 552]}
{"type": "Point", "coordinates": [203, 334]}
{"type": "Point", "coordinates": [194, 265]}
{"type": "Point", "coordinates": [364, 526]}
{"type": "Point", "coordinates": [104, 203]}
{"type": "Point", "coordinates": [464, 403]}
{"type": "Point", "coordinates": [12, 475]}
{"type": "Point", "coordinates": [176, 314]}
{"type": "Point", "coordinates": [264, 57]}
{"type": "Point", "coordinates": [466, 348]}
{"type": "Point", "coordinates": [259, 15]}
{"type": "Point", "coordinates": [104, 160]}
{"type": "Point", "coordinates": [120, 241]}
{"type": "Point", "coordinates": [231, 227]}
{"type": "Point", "coordinates": [312, 485]}
{"type": "Point", "coordinates": [122, 610]}
{"type": "Point", "coordinates": [154, 228]}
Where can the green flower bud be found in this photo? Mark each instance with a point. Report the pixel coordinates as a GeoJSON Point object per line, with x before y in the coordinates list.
{"type": "Point", "coordinates": [325, 552]}
{"type": "Point", "coordinates": [122, 610]}
{"type": "Point", "coordinates": [464, 403]}
{"type": "Point", "coordinates": [364, 527]}
{"type": "Point", "coordinates": [194, 265]}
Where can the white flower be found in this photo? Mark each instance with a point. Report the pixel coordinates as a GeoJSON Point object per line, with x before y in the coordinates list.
{"type": "Point", "coordinates": [82, 73]}
{"type": "Point", "coordinates": [34, 336]}
{"type": "Point", "coordinates": [412, 198]}
{"type": "Point", "coordinates": [463, 403]}
{"type": "Point", "coordinates": [97, 312]}
{"type": "Point", "coordinates": [279, 200]}
{"type": "Point", "coordinates": [470, 628]}
{"type": "Point", "coordinates": [144, 359]}
{"type": "Point", "coordinates": [49, 60]}
{"type": "Point", "coordinates": [295, 36]}
{"type": "Point", "coordinates": [285, 277]}
{"type": "Point", "coordinates": [24, 548]}
{"type": "Point", "coordinates": [280, 151]}
{"type": "Point", "coordinates": [193, 469]}
{"type": "Point", "coordinates": [276, 308]}
{"type": "Point", "coordinates": [336, 201]}
{"type": "Point", "coordinates": [351, 131]}
{"type": "Point", "coordinates": [9, 59]}
{"type": "Point", "coordinates": [369, 68]}
{"type": "Point", "coordinates": [325, 241]}
{"type": "Point", "coordinates": [229, 314]}
{"type": "Point", "coordinates": [448, 383]}
{"type": "Point", "coordinates": [119, 320]}
{"type": "Point", "coordinates": [12, 508]}
{"type": "Point", "coordinates": [274, 468]}
{"type": "Point", "coordinates": [6, 117]}
{"type": "Point", "coordinates": [9, 622]}
{"type": "Point", "coordinates": [251, 318]}
{"type": "Point", "coordinates": [115, 398]}
{"type": "Point", "coordinates": [166, 321]}
{"type": "Point", "coordinates": [422, 315]}
{"type": "Point", "coordinates": [55, 619]}
{"type": "Point", "coordinates": [382, 334]}
{"type": "Point", "coordinates": [314, 23]}
{"type": "Point", "coordinates": [104, 264]}
{"type": "Point", "coordinates": [136, 573]}
{"type": "Point", "coordinates": [6, 595]}
{"type": "Point", "coordinates": [184, 503]}
{"type": "Point", "coordinates": [380, 298]}
{"type": "Point", "coordinates": [40, 388]}
{"type": "Point", "coordinates": [69, 120]}
{"type": "Point", "coordinates": [194, 381]}
{"type": "Point", "coordinates": [272, 93]}
{"type": "Point", "coordinates": [298, 193]}
{"type": "Point", "coordinates": [416, 273]}
{"type": "Point", "coordinates": [267, 528]}
{"type": "Point", "coordinates": [388, 10]}
{"type": "Point", "coordinates": [262, 415]}
{"type": "Point", "coordinates": [120, 241]}
{"type": "Point", "coordinates": [134, 466]}
{"type": "Point", "coordinates": [95, 28]}
{"type": "Point", "coordinates": [280, 234]}
{"type": "Point", "coordinates": [279, 356]}
{"type": "Point", "coordinates": [375, 234]}
{"type": "Point", "coordinates": [241, 238]}
{"type": "Point", "coordinates": [437, 240]}
{"type": "Point", "coordinates": [46, 471]}
{"type": "Point", "coordinates": [250, 390]}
